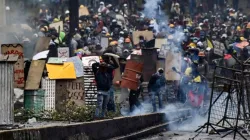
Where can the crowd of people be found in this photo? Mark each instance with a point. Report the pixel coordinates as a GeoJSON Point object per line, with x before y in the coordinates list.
{"type": "Point", "coordinates": [199, 31]}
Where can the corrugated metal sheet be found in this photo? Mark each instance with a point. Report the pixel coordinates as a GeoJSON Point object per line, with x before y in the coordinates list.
{"type": "Point", "coordinates": [6, 93]}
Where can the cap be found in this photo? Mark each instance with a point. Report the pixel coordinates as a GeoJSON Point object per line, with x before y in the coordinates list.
{"type": "Point", "coordinates": [81, 6]}
{"type": "Point", "coordinates": [101, 3]}
{"type": "Point", "coordinates": [113, 43]}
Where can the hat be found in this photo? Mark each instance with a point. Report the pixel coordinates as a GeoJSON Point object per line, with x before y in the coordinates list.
{"type": "Point", "coordinates": [238, 28]}
{"type": "Point", "coordinates": [160, 70]}
{"type": "Point", "coordinates": [113, 43]}
{"type": "Point", "coordinates": [101, 3]}
{"type": "Point", "coordinates": [107, 34]}
{"type": "Point", "coordinates": [81, 6]}
{"type": "Point", "coordinates": [242, 39]}
{"type": "Point", "coordinates": [56, 20]}
{"type": "Point", "coordinates": [171, 25]}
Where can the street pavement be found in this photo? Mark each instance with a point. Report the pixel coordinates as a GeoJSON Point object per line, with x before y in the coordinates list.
{"type": "Point", "coordinates": [177, 135]}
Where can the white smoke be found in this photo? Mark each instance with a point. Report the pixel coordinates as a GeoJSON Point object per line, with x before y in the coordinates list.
{"type": "Point", "coordinates": [150, 8]}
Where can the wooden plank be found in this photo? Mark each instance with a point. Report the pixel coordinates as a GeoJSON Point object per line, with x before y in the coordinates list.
{"type": "Point", "coordinates": [42, 44]}
{"type": "Point", "coordinates": [35, 75]}
{"type": "Point", "coordinates": [57, 25]}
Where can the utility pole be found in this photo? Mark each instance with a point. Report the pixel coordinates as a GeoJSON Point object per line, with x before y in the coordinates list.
{"type": "Point", "coordinates": [74, 20]}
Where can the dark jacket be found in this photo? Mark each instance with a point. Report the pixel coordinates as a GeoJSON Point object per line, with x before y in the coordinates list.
{"type": "Point", "coordinates": [104, 75]}
{"type": "Point", "coordinates": [156, 82]}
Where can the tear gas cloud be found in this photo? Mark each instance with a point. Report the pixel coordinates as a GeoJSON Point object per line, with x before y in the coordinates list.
{"type": "Point", "coordinates": [16, 15]}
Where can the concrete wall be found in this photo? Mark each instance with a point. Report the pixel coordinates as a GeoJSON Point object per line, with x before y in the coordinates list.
{"type": "Point", "coordinates": [97, 130]}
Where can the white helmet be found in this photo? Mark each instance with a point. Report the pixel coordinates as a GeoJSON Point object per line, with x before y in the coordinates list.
{"type": "Point", "coordinates": [101, 3]}
{"type": "Point", "coordinates": [67, 12]}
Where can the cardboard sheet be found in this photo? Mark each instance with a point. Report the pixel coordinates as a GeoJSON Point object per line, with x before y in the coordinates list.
{"type": "Point", "coordinates": [84, 11]}
{"type": "Point", "coordinates": [148, 35]}
{"type": "Point", "coordinates": [57, 25]}
{"type": "Point", "coordinates": [42, 44]}
{"type": "Point", "coordinates": [159, 42]}
{"type": "Point", "coordinates": [35, 75]}
{"type": "Point", "coordinates": [65, 71]}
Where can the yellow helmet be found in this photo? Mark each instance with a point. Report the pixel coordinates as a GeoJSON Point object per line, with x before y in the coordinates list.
{"type": "Point", "coordinates": [56, 20]}
{"type": "Point", "coordinates": [81, 6]}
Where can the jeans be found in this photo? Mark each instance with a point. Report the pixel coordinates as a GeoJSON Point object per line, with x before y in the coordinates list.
{"type": "Point", "coordinates": [102, 102]}
{"type": "Point", "coordinates": [111, 103]}
{"type": "Point", "coordinates": [133, 100]}
{"type": "Point", "coordinates": [153, 94]}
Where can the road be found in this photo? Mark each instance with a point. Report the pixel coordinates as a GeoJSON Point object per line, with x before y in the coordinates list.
{"type": "Point", "coordinates": [177, 135]}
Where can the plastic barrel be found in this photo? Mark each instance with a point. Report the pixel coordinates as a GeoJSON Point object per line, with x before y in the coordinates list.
{"type": "Point", "coordinates": [34, 100]}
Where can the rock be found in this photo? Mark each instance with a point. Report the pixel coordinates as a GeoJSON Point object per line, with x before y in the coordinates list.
{"type": "Point", "coordinates": [32, 120]}
{"type": "Point", "coordinates": [161, 135]}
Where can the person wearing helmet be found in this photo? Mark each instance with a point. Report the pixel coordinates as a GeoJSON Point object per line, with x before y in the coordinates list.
{"type": "Point", "coordinates": [101, 7]}
{"type": "Point", "coordinates": [157, 87]}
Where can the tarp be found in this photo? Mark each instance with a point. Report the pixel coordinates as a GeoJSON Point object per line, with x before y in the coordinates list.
{"type": "Point", "coordinates": [65, 71]}
{"type": "Point", "coordinates": [78, 65]}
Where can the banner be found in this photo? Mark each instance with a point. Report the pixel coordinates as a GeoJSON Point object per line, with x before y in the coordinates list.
{"type": "Point", "coordinates": [89, 60]}
{"type": "Point", "coordinates": [16, 49]}
{"type": "Point", "coordinates": [63, 52]}
{"type": "Point", "coordinates": [219, 48]}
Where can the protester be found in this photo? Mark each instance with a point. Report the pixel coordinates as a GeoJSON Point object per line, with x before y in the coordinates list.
{"type": "Point", "coordinates": [156, 87]}
{"type": "Point", "coordinates": [104, 78]}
